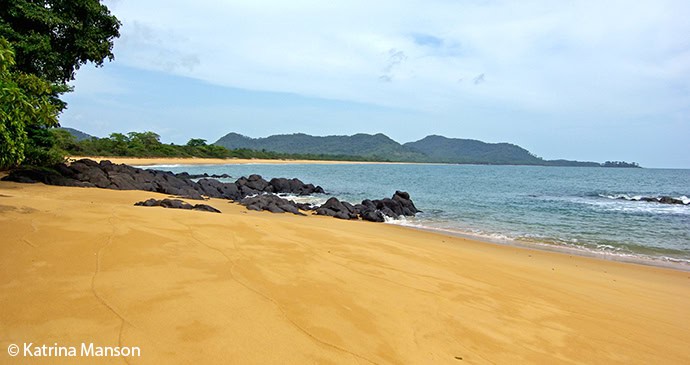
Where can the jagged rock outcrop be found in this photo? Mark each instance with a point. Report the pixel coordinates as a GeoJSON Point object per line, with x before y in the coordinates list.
{"type": "Point", "coordinates": [664, 199]}
{"type": "Point", "coordinates": [370, 210]}
{"type": "Point", "coordinates": [176, 204]}
{"type": "Point", "coordinates": [272, 203]}
{"type": "Point", "coordinates": [335, 208]}
{"type": "Point", "coordinates": [88, 173]}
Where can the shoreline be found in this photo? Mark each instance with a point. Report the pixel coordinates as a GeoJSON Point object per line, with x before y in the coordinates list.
{"type": "Point", "coordinates": [256, 287]}
{"type": "Point", "coordinates": [162, 161]}
{"type": "Point", "coordinates": [635, 258]}
{"type": "Point", "coordinates": [632, 258]}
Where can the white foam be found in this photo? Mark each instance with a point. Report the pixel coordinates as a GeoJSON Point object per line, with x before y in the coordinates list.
{"type": "Point", "coordinates": [308, 199]}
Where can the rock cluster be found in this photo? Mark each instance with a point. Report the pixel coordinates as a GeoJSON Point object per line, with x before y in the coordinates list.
{"type": "Point", "coordinates": [88, 173]}
{"type": "Point", "coordinates": [656, 199]}
{"type": "Point", "coordinates": [254, 192]}
{"type": "Point", "coordinates": [176, 204]}
{"type": "Point", "coordinates": [274, 204]}
{"type": "Point", "coordinates": [370, 210]}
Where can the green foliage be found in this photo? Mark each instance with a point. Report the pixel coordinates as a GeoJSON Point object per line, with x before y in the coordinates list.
{"type": "Point", "coordinates": [453, 150]}
{"type": "Point", "coordinates": [362, 146]}
{"type": "Point", "coordinates": [53, 38]}
{"type": "Point", "coordinates": [147, 144]}
{"type": "Point", "coordinates": [26, 111]}
{"type": "Point", "coordinates": [620, 164]}
{"type": "Point", "coordinates": [378, 147]}
{"type": "Point", "coordinates": [196, 142]}
{"type": "Point", "coordinates": [42, 44]}
{"type": "Point", "coordinates": [78, 135]}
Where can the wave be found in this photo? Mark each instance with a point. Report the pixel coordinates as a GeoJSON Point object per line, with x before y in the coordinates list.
{"type": "Point", "coordinates": [635, 254]}
{"type": "Point", "coordinates": [665, 199]}
{"type": "Point", "coordinates": [315, 200]}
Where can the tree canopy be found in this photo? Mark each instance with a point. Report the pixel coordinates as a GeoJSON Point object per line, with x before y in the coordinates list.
{"type": "Point", "coordinates": [25, 104]}
{"type": "Point", "coordinates": [53, 38]}
{"type": "Point", "coordinates": [42, 44]}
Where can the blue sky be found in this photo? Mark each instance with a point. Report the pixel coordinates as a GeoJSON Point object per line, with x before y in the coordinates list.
{"type": "Point", "coordinates": [582, 80]}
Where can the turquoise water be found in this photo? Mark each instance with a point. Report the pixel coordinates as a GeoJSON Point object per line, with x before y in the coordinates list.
{"type": "Point", "coordinates": [571, 207]}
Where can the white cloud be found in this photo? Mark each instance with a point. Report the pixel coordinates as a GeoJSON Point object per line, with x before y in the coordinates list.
{"type": "Point", "coordinates": [614, 57]}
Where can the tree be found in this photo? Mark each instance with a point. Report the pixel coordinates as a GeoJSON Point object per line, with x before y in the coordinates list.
{"type": "Point", "coordinates": [196, 142]}
{"type": "Point", "coordinates": [25, 104]}
{"type": "Point", "coordinates": [53, 38]}
{"type": "Point", "coordinates": [50, 40]}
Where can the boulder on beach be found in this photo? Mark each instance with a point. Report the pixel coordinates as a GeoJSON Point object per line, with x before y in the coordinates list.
{"type": "Point", "coordinates": [176, 204]}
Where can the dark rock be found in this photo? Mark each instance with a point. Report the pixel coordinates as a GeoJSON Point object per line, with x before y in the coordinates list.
{"type": "Point", "coordinates": [289, 208]}
{"type": "Point", "coordinates": [149, 203]}
{"type": "Point", "coordinates": [254, 183]}
{"type": "Point", "coordinates": [87, 170]}
{"type": "Point", "coordinates": [372, 216]}
{"type": "Point", "coordinates": [271, 203]}
{"type": "Point", "coordinates": [335, 208]}
{"type": "Point", "coordinates": [323, 211]}
{"type": "Point", "coordinates": [175, 204]}
{"type": "Point", "coordinates": [247, 191]}
{"type": "Point", "coordinates": [216, 189]}
{"type": "Point", "coordinates": [280, 185]}
{"type": "Point", "coordinates": [344, 215]}
{"type": "Point", "coordinates": [273, 208]}
{"type": "Point", "coordinates": [408, 208]}
{"type": "Point", "coordinates": [87, 173]}
{"type": "Point", "coordinates": [293, 186]}
{"type": "Point", "coordinates": [670, 200]}
{"type": "Point", "coordinates": [205, 208]}
{"type": "Point", "coordinates": [305, 206]}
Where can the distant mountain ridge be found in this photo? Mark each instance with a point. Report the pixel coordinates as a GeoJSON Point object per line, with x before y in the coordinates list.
{"type": "Point", "coordinates": [377, 146]}
{"type": "Point", "coordinates": [455, 150]}
{"type": "Point", "coordinates": [77, 134]}
{"type": "Point", "coordinates": [380, 147]}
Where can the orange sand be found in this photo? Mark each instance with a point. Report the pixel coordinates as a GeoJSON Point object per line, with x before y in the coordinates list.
{"type": "Point", "coordinates": [85, 265]}
{"type": "Point", "coordinates": [212, 161]}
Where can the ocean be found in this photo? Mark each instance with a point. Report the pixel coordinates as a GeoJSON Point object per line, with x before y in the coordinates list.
{"type": "Point", "coordinates": [593, 211]}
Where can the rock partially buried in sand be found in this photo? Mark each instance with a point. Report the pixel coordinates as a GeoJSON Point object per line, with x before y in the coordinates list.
{"type": "Point", "coordinates": [176, 204]}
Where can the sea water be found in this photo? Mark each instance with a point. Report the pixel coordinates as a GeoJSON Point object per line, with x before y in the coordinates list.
{"type": "Point", "coordinates": [593, 210]}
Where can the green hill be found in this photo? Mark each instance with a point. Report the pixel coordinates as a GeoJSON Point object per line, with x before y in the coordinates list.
{"type": "Point", "coordinates": [442, 149]}
{"type": "Point", "coordinates": [77, 134]}
{"type": "Point", "coordinates": [377, 146]}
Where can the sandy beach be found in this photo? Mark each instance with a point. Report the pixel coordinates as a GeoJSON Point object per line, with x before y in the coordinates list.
{"type": "Point", "coordinates": [83, 265]}
{"type": "Point", "coordinates": [144, 161]}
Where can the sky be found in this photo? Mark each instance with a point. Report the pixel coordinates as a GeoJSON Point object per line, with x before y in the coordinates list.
{"type": "Point", "coordinates": [582, 80]}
